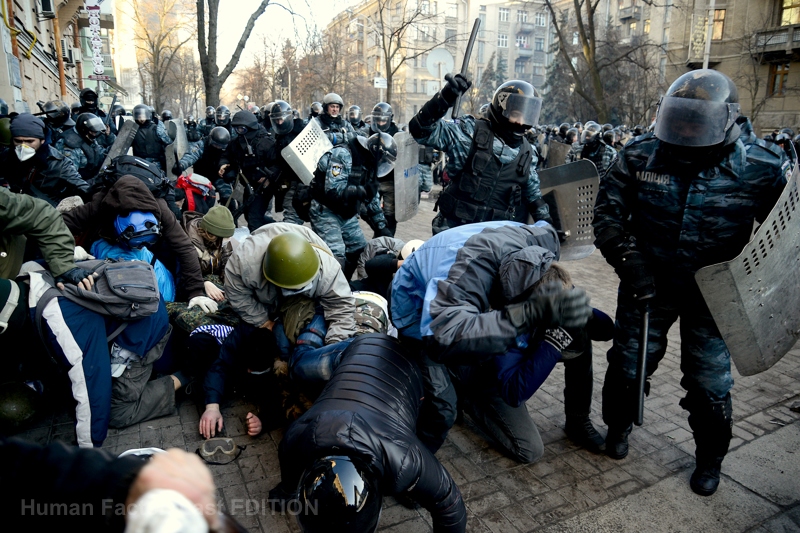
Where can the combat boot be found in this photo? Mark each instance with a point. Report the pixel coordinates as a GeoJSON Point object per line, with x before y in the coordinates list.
{"type": "Point", "coordinates": [617, 441]}
{"type": "Point", "coordinates": [583, 433]}
{"type": "Point", "coordinates": [705, 478]}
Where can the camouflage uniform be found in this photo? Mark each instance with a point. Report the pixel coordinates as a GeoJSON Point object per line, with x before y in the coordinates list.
{"type": "Point", "coordinates": [681, 217]}
{"type": "Point", "coordinates": [574, 153]}
{"type": "Point", "coordinates": [343, 236]}
{"type": "Point", "coordinates": [78, 156]}
{"type": "Point", "coordinates": [425, 178]}
{"type": "Point", "coordinates": [599, 153]}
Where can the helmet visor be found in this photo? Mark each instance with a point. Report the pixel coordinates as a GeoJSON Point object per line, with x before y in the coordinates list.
{"type": "Point", "coordinates": [385, 164]}
{"type": "Point", "coordinates": [95, 126]}
{"type": "Point", "coordinates": [519, 109]}
{"type": "Point", "coordinates": [141, 114]}
{"type": "Point", "coordinates": [282, 122]}
{"type": "Point", "coordinates": [690, 122]}
{"type": "Point", "coordinates": [354, 115]}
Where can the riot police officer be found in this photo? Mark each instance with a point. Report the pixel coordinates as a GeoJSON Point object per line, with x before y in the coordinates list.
{"type": "Point", "coordinates": [204, 157]}
{"type": "Point", "coordinates": [354, 116]}
{"type": "Point", "coordinates": [678, 199]}
{"type": "Point", "coordinates": [57, 118]}
{"type": "Point", "coordinates": [285, 128]}
{"type": "Point", "coordinates": [251, 152]}
{"type": "Point", "coordinates": [88, 104]}
{"type": "Point", "coordinates": [81, 146]}
{"type": "Point", "coordinates": [151, 139]}
{"type": "Point", "coordinates": [206, 124]}
{"type": "Point", "coordinates": [166, 115]}
{"type": "Point", "coordinates": [314, 110]}
{"type": "Point", "coordinates": [491, 164]}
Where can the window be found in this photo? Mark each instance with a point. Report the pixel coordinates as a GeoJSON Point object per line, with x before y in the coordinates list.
{"type": "Point", "coordinates": [502, 40]}
{"type": "Point", "coordinates": [483, 8]}
{"type": "Point", "coordinates": [434, 8]}
{"type": "Point", "coordinates": [538, 70]}
{"type": "Point", "coordinates": [574, 38]}
{"type": "Point", "coordinates": [778, 76]}
{"type": "Point", "coordinates": [522, 16]}
{"type": "Point", "coordinates": [415, 88]}
{"type": "Point", "coordinates": [719, 24]}
{"type": "Point", "coordinates": [481, 52]}
{"type": "Point", "coordinates": [665, 36]}
{"type": "Point", "coordinates": [522, 41]}
{"type": "Point", "coordinates": [662, 69]}
{"type": "Point", "coordinates": [452, 10]}
{"type": "Point", "coordinates": [519, 67]}
{"type": "Point", "coordinates": [449, 35]}
{"type": "Point", "coordinates": [424, 8]}
{"type": "Point", "coordinates": [504, 12]}
{"type": "Point", "coordinates": [541, 19]}
{"type": "Point", "coordinates": [667, 12]}
{"type": "Point", "coordinates": [632, 29]}
{"type": "Point", "coordinates": [482, 32]}
{"type": "Point", "coordinates": [790, 12]}
{"type": "Point", "coordinates": [424, 61]}
{"type": "Point", "coordinates": [423, 85]}
{"type": "Point", "coordinates": [416, 108]}
{"type": "Point", "coordinates": [480, 74]}
{"type": "Point", "coordinates": [646, 28]}
{"type": "Point", "coordinates": [398, 9]}
{"type": "Point", "coordinates": [539, 44]}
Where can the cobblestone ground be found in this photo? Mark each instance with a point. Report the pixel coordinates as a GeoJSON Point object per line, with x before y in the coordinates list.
{"type": "Point", "coordinates": [567, 486]}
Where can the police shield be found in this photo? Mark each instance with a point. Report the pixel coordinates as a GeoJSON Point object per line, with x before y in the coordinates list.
{"type": "Point", "coordinates": [755, 298]}
{"type": "Point", "coordinates": [304, 151]}
{"type": "Point", "coordinates": [557, 153]}
{"type": "Point", "coordinates": [406, 177]}
{"type": "Point", "coordinates": [124, 141]}
{"type": "Point", "coordinates": [179, 146]}
{"type": "Point", "coordinates": [570, 192]}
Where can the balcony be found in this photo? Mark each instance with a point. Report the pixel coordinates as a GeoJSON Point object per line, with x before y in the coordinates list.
{"type": "Point", "coordinates": [525, 27]}
{"type": "Point", "coordinates": [776, 43]}
{"type": "Point", "coordinates": [630, 13]}
{"type": "Point", "coordinates": [525, 52]}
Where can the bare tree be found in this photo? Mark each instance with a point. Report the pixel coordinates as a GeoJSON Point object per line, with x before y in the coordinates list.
{"type": "Point", "coordinates": [162, 29]}
{"type": "Point", "coordinates": [213, 79]}
{"type": "Point", "coordinates": [259, 79]}
{"type": "Point", "coordinates": [188, 84]}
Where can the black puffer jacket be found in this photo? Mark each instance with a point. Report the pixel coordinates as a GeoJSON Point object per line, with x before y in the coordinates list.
{"type": "Point", "coordinates": [260, 155]}
{"type": "Point", "coordinates": [369, 408]}
{"type": "Point", "coordinates": [47, 175]}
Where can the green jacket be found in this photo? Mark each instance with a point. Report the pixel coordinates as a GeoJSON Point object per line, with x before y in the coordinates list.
{"type": "Point", "coordinates": [24, 216]}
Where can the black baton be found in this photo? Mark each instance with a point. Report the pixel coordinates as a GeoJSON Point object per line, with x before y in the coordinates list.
{"type": "Point", "coordinates": [641, 365]}
{"type": "Point", "coordinates": [467, 54]}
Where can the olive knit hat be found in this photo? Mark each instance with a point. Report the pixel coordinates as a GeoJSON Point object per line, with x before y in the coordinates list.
{"type": "Point", "coordinates": [218, 221]}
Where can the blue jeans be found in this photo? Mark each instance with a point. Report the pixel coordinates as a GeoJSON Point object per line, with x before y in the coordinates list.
{"type": "Point", "coordinates": [310, 359]}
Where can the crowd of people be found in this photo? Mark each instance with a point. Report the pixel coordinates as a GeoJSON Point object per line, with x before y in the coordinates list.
{"type": "Point", "coordinates": [131, 285]}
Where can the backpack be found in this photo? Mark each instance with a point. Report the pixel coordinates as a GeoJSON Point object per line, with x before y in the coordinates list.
{"type": "Point", "coordinates": [124, 290]}
{"type": "Point", "coordinates": [150, 174]}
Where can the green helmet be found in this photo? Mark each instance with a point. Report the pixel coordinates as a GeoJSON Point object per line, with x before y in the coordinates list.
{"type": "Point", "coordinates": [5, 131]}
{"type": "Point", "coordinates": [290, 261]}
{"type": "Point", "coordinates": [17, 404]}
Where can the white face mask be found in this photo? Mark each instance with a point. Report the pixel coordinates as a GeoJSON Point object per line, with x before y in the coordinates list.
{"type": "Point", "coordinates": [24, 152]}
{"type": "Point", "coordinates": [307, 289]}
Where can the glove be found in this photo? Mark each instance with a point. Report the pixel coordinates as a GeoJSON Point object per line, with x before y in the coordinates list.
{"type": "Point", "coordinates": [557, 307]}
{"type": "Point", "coordinates": [580, 340]}
{"type": "Point", "coordinates": [205, 303]}
{"type": "Point", "coordinates": [634, 272]}
{"type": "Point", "coordinates": [353, 194]}
{"type": "Point", "coordinates": [81, 254]}
{"type": "Point", "coordinates": [74, 276]}
{"type": "Point", "coordinates": [382, 232]}
{"type": "Point", "coordinates": [456, 86]}
{"type": "Point", "coordinates": [177, 168]}
{"type": "Point", "coordinates": [558, 337]}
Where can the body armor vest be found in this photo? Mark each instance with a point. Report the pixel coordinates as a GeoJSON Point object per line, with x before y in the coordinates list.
{"type": "Point", "coordinates": [487, 189]}
{"type": "Point", "coordinates": [360, 175]}
{"type": "Point", "coordinates": [147, 145]}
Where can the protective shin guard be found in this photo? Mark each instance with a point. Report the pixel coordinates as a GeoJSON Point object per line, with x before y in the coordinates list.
{"type": "Point", "coordinates": [711, 423]}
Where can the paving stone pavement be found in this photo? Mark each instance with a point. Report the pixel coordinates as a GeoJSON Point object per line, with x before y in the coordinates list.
{"type": "Point", "coordinates": [569, 489]}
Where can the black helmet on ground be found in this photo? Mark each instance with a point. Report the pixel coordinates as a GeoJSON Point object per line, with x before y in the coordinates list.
{"type": "Point", "coordinates": [223, 116]}
{"type": "Point", "coordinates": [89, 126]}
{"type": "Point", "coordinates": [166, 115]}
{"type": "Point", "coordinates": [354, 115]}
{"type": "Point", "coordinates": [515, 107]}
{"type": "Point", "coordinates": [344, 495]}
{"type": "Point", "coordinates": [281, 117]}
{"type": "Point", "coordinates": [699, 109]}
{"type": "Point", "coordinates": [142, 114]}
{"type": "Point", "coordinates": [219, 137]}
{"type": "Point", "coordinates": [382, 115]}
{"type": "Point", "coordinates": [383, 148]}
{"type": "Point", "coordinates": [57, 114]}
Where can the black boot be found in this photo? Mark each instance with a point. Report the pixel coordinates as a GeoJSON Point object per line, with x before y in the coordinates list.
{"type": "Point", "coordinates": [617, 441]}
{"type": "Point", "coordinates": [705, 478]}
{"type": "Point", "coordinates": [351, 263]}
{"type": "Point", "coordinates": [583, 433]}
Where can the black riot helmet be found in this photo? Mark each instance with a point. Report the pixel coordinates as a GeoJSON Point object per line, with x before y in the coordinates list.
{"type": "Point", "coordinates": [572, 135]}
{"type": "Point", "coordinates": [219, 137]}
{"type": "Point", "coordinates": [607, 127]}
{"type": "Point", "coordinates": [117, 111]}
{"type": "Point", "coordinates": [383, 148]}
{"type": "Point", "coordinates": [699, 109]}
{"type": "Point", "coordinates": [330, 99]}
{"type": "Point", "coordinates": [354, 115]}
{"type": "Point", "coordinates": [89, 126]}
{"type": "Point", "coordinates": [788, 131]}
{"type": "Point", "coordinates": [142, 114]}
{"type": "Point", "coordinates": [638, 130]}
{"type": "Point", "coordinates": [223, 116]}
{"type": "Point", "coordinates": [281, 117]}
{"type": "Point", "coordinates": [562, 129]}
{"type": "Point", "coordinates": [316, 109]}
{"type": "Point", "coordinates": [515, 107]}
{"type": "Point", "coordinates": [166, 115]}
{"type": "Point", "coordinates": [588, 133]}
{"type": "Point", "coordinates": [483, 110]}
{"type": "Point", "coordinates": [88, 99]}
{"type": "Point", "coordinates": [244, 121]}
{"type": "Point", "coordinates": [210, 112]}
{"type": "Point", "coordinates": [57, 114]}
{"type": "Point", "coordinates": [578, 126]}
{"type": "Point", "coordinates": [609, 137]}
{"type": "Point", "coordinates": [339, 493]}
{"type": "Point", "coordinates": [382, 115]}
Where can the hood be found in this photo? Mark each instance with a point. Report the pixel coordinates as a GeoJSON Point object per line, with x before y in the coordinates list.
{"type": "Point", "coordinates": [128, 194]}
